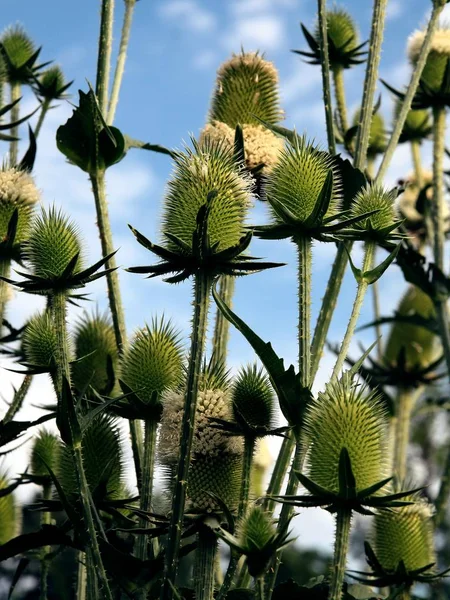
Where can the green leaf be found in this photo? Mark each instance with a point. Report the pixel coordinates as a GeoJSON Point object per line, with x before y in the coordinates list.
{"type": "Point", "coordinates": [289, 134]}
{"type": "Point", "coordinates": [374, 275]}
{"type": "Point", "coordinates": [23, 564]}
{"type": "Point", "coordinates": [66, 417]}
{"type": "Point", "coordinates": [357, 273]}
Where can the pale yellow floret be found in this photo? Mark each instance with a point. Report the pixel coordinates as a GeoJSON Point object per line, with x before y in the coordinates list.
{"type": "Point", "coordinates": [17, 186]}
{"type": "Point", "coordinates": [248, 59]}
{"type": "Point", "coordinates": [6, 293]}
{"type": "Point", "coordinates": [406, 202]}
{"type": "Point", "coordinates": [440, 43]}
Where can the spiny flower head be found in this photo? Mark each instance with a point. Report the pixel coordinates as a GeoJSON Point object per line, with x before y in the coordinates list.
{"type": "Point", "coordinates": [17, 191]}
{"type": "Point", "coordinates": [261, 146]}
{"type": "Point", "coordinates": [434, 71]}
{"type": "Point", "coordinates": [96, 353]}
{"type": "Point", "coordinates": [342, 32]}
{"type": "Point", "coordinates": [417, 126]}
{"type": "Point", "coordinates": [153, 362]}
{"type": "Point", "coordinates": [9, 513]}
{"type": "Point", "coordinates": [246, 89]}
{"type": "Point", "coordinates": [298, 178]}
{"type": "Point", "coordinates": [197, 173]}
{"type": "Point", "coordinates": [377, 135]}
{"type": "Point", "coordinates": [17, 49]}
{"type": "Point", "coordinates": [45, 453]}
{"type": "Point", "coordinates": [54, 242]}
{"type": "Point", "coordinates": [374, 197]}
{"type": "Point", "coordinates": [255, 530]}
{"type": "Point", "coordinates": [39, 342]}
{"type": "Point", "coordinates": [405, 534]}
{"type": "Point", "coordinates": [418, 344]}
{"type": "Point", "coordinates": [346, 416]}
{"type": "Point", "coordinates": [253, 400]}
{"type": "Point", "coordinates": [51, 84]}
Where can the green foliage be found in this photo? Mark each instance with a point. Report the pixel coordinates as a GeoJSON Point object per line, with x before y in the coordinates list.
{"type": "Point", "coordinates": [253, 400]}
{"type": "Point", "coordinates": [45, 453]}
{"type": "Point", "coordinates": [375, 197]}
{"type": "Point", "coordinates": [39, 341]}
{"type": "Point", "coordinates": [19, 54]}
{"type": "Point", "coordinates": [341, 30]}
{"type": "Point", "coordinates": [51, 84]}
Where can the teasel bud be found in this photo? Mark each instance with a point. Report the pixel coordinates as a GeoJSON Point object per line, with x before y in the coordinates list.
{"type": "Point", "coordinates": [96, 354]}
{"type": "Point", "coordinates": [51, 84]}
{"type": "Point", "coordinates": [197, 173]}
{"type": "Point", "coordinates": [346, 416]}
{"type": "Point", "coordinates": [405, 535]}
{"type": "Point", "coordinates": [246, 90]}
{"type": "Point", "coordinates": [436, 64]}
{"type": "Point", "coordinates": [10, 517]}
{"type": "Point", "coordinates": [216, 463]}
{"type": "Point", "coordinates": [261, 146]}
{"type": "Point", "coordinates": [416, 345]}
{"type": "Point", "coordinates": [253, 399]}
{"type": "Point", "coordinates": [102, 460]}
{"type": "Point", "coordinates": [54, 242]}
{"type": "Point", "coordinates": [418, 125]}
{"type": "Point", "coordinates": [45, 453]}
{"type": "Point", "coordinates": [375, 197]}
{"type": "Point", "coordinates": [39, 343]}
{"type": "Point", "coordinates": [297, 180]}
{"type": "Point", "coordinates": [18, 51]}
{"type": "Point", "coordinates": [343, 36]}
{"type": "Point", "coordinates": [377, 135]}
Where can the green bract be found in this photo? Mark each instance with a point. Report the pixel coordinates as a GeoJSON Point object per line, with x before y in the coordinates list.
{"type": "Point", "coordinates": [54, 242]}
{"type": "Point", "coordinates": [246, 89]}
{"type": "Point", "coordinates": [375, 197]}
{"type": "Point", "coordinates": [253, 398]}
{"type": "Point", "coordinates": [342, 33]}
{"type": "Point", "coordinates": [197, 173]}
{"type": "Point", "coordinates": [39, 343]}
{"type": "Point", "coordinates": [345, 416]}
{"type": "Point", "coordinates": [9, 515]}
{"type": "Point", "coordinates": [45, 453]}
{"type": "Point", "coordinates": [51, 84]}
{"type": "Point", "coordinates": [19, 54]}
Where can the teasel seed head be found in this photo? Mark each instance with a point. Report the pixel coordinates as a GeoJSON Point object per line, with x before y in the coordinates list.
{"type": "Point", "coordinates": [153, 363]}
{"type": "Point", "coordinates": [298, 178]}
{"type": "Point", "coordinates": [341, 30]}
{"type": "Point", "coordinates": [434, 71]}
{"type": "Point", "coordinates": [54, 241]}
{"type": "Point", "coordinates": [377, 135]}
{"type": "Point", "coordinates": [374, 197]}
{"type": "Point", "coordinates": [10, 517]}
{"type": "Point", "coordinates": [39, 344]}
{"type": "Point", "coordinates": [246, 89]}
{"type": "Point", "coordinates": [417, 126]}
{"type": "Point", "coordinates": [261, 146]}
{"type": "Point", "coordinates": [51, 84]}
{"type": "Point", "coordinates": [419, 345]}
{"type": "Point", "coordinates": [346, 416]}
{"type": "Point", "coordinates": [198, 172]}
{"type": "Point", "coordinates": [17, 191]}
{"type": "Point", "coordinates": [94, 339]}
{"type": "Point", "coordinates": [45, 453]}
{"type": "Point", "coordinates": [17, 48]}
{"type": "Point", "coordinates": [253, 399]}
{"type": "Point", "coordinates": [405, 534]}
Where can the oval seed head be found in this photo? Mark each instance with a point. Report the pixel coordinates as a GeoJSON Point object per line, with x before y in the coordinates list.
{"type": "Point", "coordinates": [54, 242]}
{"type": "Point", "coordinates": [298, 178]}
{"type": "Point", "coordinates": [17, 191]}
{"type": "Point", "coordinates": [253, 400]}
{"type": "Point", "coordinates": [17, 48]}
{"type": "Point", "coordinates": [341, 30]}
{"type": "Point", "coordinates": [419, 345]}
{"type": "Point", "coordinates": [418, 123]}
{"type": "Point", "coordinates": [197, 173]}
{"type": "Point", "coordinates": [345, 416]}
{"type": "Point", "coordinates": [246, 89]}
{"type": "Point", "coordinates": [261, 146]}
{"type": "Point", "coordinates": [96, 354]}
{"type": "Point", "coordinates": [39, 342]}
{"type": "Point", "coordinates": [377, 135]}
{"type": "Point", "coordinates": [434, 71]}
{"type": "Point", "coordinates": [45, 452]}
{"type": "Point", "coordinates": [374, 197]}
{"type": "Point", "coordinates": [405, 534]}
{"type": "Point", "coordinates": [50, 84]}
{"type": "Point", "coordinates": [154, 361]}
{"type": "Point", "coordinates": [10, 517]}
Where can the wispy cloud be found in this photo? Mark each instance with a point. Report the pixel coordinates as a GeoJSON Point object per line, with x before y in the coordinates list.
{"type": "Point", "coordinates": [258, 32]}
{"type": "Point", "coordinates": [189, 14]}
{"type": "Point", "coordinates": [394, 10]}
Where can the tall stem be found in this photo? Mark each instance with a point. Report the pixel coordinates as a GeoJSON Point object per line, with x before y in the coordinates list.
{"type": "Point", "coordinates": [15, 113]}
{"type": "Point", "coordinates": [339, 92]}
{"type": "Point", "coordinates": [279, 471]}
{"type": "Point", "coordinates": [199, 324]}
{"type": "Point", "coordinates": [121, 58]}
{"type": "Point", "coordinates": [222, 325]}
{"type": "Point", "coordinates": [304, 247]}
{"type": "Point", "coordinates": [417, 162]}
{"type": "Point", "coordinates": [19, 397]}
{"type": "Point", "coordinates": [259, 583]}
{"type": "Point", "coordinates": [205, 557]}
{"type": "Point", "coordinates": [325, 62]}
{"type": "Point", "coordinates": [104, 54]}
{"type": "Point", "coordinates": [45, 520]}
{"type": "Point", "coordinates": [81, 576]}
{"type": "Point", "coordinates": [437, 212]}
{"type": "Point", "coordinates": [5, 267]}
{"type": "Point", "coordinates": [44, 109]}
{"type": "Point", "coordinates": [343, 519]}
{"type": "Point", "coordinates": [357, 305]}
{"type": "Point", "coordinates": [405, 405]}
{"type": "Point", "coordinates": [376, 309]}
{"type": "Point", "coordinates": [62, 347]}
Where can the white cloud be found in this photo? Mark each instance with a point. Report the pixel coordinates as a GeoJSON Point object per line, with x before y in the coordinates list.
{"type": "Point", "coordinates": [204, 60]}
{"type": "Point", "coordinates": [188, 14]}
{"type": "Point", "coordinates": [251, 6]}
{"type": "Point", "coordinates": [264, 32]}
{"type": "Point", "coordinates": [303, 80]}
{"type": "Point", "coordinates": [394, 10]}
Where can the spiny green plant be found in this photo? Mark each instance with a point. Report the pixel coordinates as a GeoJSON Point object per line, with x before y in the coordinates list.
{"type": "Point", "coordinates": [379, 201]}
{"type": "Point", "coordinates": [51, 84]}
{"type": "Point", "coordinates": [253, 399]}
{"type": "Point", "coordinates": [45, 455]}
{"type": "Point", "coordinates": [19, 54]}
{"type": "Point", "coordinates": [436, 63]}
{"type": "Point", "coordinates": [39, 343]}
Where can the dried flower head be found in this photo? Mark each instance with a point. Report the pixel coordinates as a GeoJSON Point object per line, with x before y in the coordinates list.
{"type": "Point", "coordinates": [17, 191]}
{"type": "Point", "coordinates": [39, 344]}
{"type": "Point", "coordinates": [9, 513]}
{"type": "Point", "coordinates": [434, 71]}
{"type": "Point", "coordinates": [45, 453]}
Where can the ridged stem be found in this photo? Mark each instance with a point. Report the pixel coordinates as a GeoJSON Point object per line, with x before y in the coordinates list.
{"type": "Point", "coordinates": [205, 557]}
{"type": "Point", "coordinates": [325, 63]}
{"type": "Point", "coordinates": [14, 131]}
{"type": "Point", "coordinates": [62, 347]}
{"type": "Point", "coordinates": [104, 54]}
{"type": "Point", "coordinates": [370, 82]}
{"type": "Point", "coordinates": [121, 58]}
{"type": "Point", "coordinates": [81, 576]}
{"type": "Point", "coordinates": [279, 471]}
{"type": "Point", "coordinates": [45, 520]}
{"type": "Point", "coordinates": [410, 92]}
{"type": "Point", "coordinates": [92, 592]}
{"type": "Point", "coordinates": [376, 309]}
{"type": "Point", "coordinates": [5, 268]}
{"type": "Point", "coordinates": [202, 290]}
{"type": "Point", "coordinates": [148, 468]}
{"type": "Point", "coordinates": [343, 520]}
{"type": "Point", "coordinates": [17, 401]}
{"type": "Point", "coordinates": [222, 325]}
{"type": "Point", "coordinates": [259, 583]}
{"type": "Point", "coordinates": [405, 405]}
{"type": "Point", "coordinates": [304, 247]}
{"type": "Point", "coordinates": [437, 212]}
{"type": "Point", "coordinates": [357, 305]}
{"type": "Point", "coordinates": [417, 162]}
{"type": "Point", "coordinates": [339, 92]}
{"type": "Point", "coordinates": [44, 109]}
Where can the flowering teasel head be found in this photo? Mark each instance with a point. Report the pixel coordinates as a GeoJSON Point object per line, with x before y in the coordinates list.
{"type": "Point", "coordinates": [19, 55]}
{"type": "Point", "coordinates": [10, 518]}
{"type": "Point", "coordinates": [44, 455]}
{"type": "Point", "coordinates": [246, 92]}
{"type": "Point", "coordinates": [51, 85]}
{"type": "Point", "coordinates": [39, 344]}
{"type": "Point", "coordinates": [434, 78]}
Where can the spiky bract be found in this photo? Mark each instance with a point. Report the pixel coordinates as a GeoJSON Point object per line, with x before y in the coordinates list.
{"type": "Point", "coordinates": [39, 344]}
{"type": "Point", "coordinates": [418, 344]}
{"type": "Point", "coordinates": [346, 416]}
{"type": "Point", "coordinates": [405, 534]}
{"type": "Point", "coordinates": [197, 173]}
{"type": "Point", "coordinates": [261, 146]}
{"type": "Point", "coordinates": [9, 513]}
{"type": "Point", "coordinates": [96, 353]}
{"type": "Point", "coordinates": [246, 89]}
{"type": "Point", "coordinates": [102, 460]}
{"type": "Point", "coordinates": [153, 362]}
{"type": "Point", "coordinates": [377, 135]}
{"type": "Point", "coordinates": [54, 242]}
{"type": "Point", "coordinates": [342, 31]}
{"type": "Point", "coordinates": [374, 197]}
{"type": "Point", "coordinates": [255, 530]}
{"type": "Point", "coordinates": [17, 191]}
{"type": "Point", "coordinates": [417, 126]}
{"type": "Point", "coordinates": [435, 66]}
{"type": "Point", "coordinates": [253, 400]}
{"type": "Point", "coordinates": [45, 453]}
{"type": "Point", "coordinates": [298, 178]}
{"type": "Point", "coordinates": [17, 49]}
{"type": "Point", "coordinates": [51, 84]}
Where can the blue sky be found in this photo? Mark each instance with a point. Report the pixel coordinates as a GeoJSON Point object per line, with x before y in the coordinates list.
{"type": "Point", "coordinates": [175, 49]}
